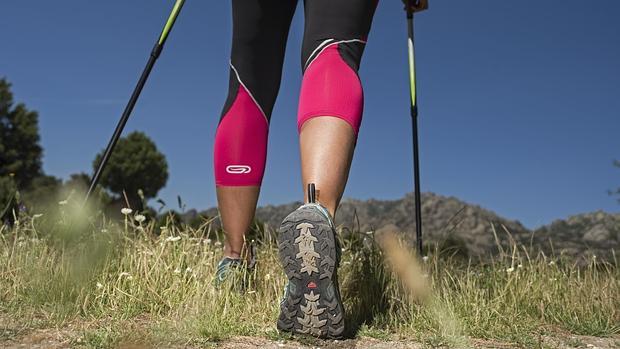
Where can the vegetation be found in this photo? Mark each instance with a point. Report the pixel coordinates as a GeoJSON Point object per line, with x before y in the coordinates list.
{"type": "Point", "coordinates": [136, 167]}
{"type": "Point", "coordinates": [113, 282]}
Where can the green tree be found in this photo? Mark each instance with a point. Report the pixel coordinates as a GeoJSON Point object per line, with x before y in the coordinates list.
{"type": "Point", "coordinates": [136, 164]}
{"type": "Point", "coordinates": [20, 152]}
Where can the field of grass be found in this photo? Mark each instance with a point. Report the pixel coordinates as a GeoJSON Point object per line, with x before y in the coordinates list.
{"type": "Point", "coordinates": [100, 283]}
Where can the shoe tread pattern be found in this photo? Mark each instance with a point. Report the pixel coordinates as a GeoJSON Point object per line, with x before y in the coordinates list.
{"type": "Point", "coordinates": [317, 311]}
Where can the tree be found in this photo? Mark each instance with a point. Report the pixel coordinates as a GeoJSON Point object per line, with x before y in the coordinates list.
{"type": "Point", "coordinates": [20, 152]}
{"type": "Point", "coordinates": [136, 164]}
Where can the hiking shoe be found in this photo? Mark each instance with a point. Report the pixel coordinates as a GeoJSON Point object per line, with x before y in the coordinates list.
{"type": "Point", "coordinates": [309, 253]}
{"type": "Point", "coordinates": [235, 270]}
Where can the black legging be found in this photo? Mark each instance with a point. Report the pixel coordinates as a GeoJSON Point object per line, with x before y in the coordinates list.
{"type": "Point", "coordinates": [334, 39]}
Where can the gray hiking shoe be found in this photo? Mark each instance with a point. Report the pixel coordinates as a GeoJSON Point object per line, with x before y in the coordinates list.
{"type": "Point", "coordinates": [310, 254]}
{"type": "Point", "coordinates": [235, 270]}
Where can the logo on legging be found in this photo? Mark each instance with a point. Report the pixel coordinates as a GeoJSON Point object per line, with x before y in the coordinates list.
{"type": "Point", "coordinates": [238, 169]}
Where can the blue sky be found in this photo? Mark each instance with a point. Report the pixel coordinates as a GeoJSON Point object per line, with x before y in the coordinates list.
{"type": "Point", "coordinates": [519, 103]}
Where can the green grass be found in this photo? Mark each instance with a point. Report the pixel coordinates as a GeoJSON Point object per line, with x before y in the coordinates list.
{"type": "Point", "coordinates": [120, 281]}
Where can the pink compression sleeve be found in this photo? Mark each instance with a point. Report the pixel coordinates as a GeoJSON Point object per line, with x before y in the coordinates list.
{"type": "Point", "coordinates": [330, 87]}
{"type": "Point", "coordinates": [241, 143]}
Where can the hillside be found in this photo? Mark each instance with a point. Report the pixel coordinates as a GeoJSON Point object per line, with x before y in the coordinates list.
{"type": "Point", "coordinates": [451, 222]}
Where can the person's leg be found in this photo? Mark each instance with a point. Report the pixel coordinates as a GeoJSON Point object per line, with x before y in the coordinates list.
{"type": "Point", "coordinates": [331, 100]}
{"type": "Point", "coordinates": [330, 111]}
{"type": "Point", "coordinates": [260, 31]}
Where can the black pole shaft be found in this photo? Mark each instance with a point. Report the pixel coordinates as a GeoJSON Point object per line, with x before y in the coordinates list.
{"type": "Point", "coordinates": [155, 53]}
{"type": "Point", "coordinates": [121, 123]}
{"type": "Point", "coordinates": [416, 144]}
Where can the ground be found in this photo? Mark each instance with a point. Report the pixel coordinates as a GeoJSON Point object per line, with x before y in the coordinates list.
{"type": "Point", "coordinates": [70, 337]}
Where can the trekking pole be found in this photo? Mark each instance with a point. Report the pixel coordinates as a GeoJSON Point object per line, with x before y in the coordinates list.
{"type": "Point", "coordinates": [159, 46]}
{"type": "Point", "coordinates": [414, 120]}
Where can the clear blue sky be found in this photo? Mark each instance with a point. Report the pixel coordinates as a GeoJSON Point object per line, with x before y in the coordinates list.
{"type": "Point", "coordinates": [519, 102]}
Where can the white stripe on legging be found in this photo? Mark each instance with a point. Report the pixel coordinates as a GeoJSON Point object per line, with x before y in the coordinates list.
{"type": "Point", "coordinates": [248, 91]}
{"type": "Point", "coordinates": [332, 44]}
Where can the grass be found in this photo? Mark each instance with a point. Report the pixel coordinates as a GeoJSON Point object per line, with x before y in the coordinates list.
{"type": "Point", "coordinates": [132, 281]}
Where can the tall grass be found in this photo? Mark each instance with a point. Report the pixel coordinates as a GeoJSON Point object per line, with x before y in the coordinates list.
{"type": "Point", "coordinates": [123, 280]}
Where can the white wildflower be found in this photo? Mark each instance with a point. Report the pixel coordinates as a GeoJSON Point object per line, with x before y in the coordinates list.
{"type": "Point", "coordinates": [104, 230]}
{"type": "Point", "coordinates": [177, 271]}
{"type": "Point", "coordinates": [343, 249]}
{"type": "Point", "coordinates": [267, 277]}
{"type": "Point", "coordinates": [99, 285]}
{"type": "Point", "coordinates": [218, 244]}
{"type": "Point", "coordinates": [369, 232]}
{"type": "Point", "coordinates": [126, 211]}
{"type": "Point", "coordinates": [173, 238]}
{"type": "Point", "coordinates": [62, 203]}
{"type": "Point", "coordinates": [510, 270]}
{"type": "Point", "coordinates": [140, 218]}
{"type": "Point", "coordinates": [425, 259]}
{"type": "Point", "coordinates": [207, 241]}
{"type": "Point", "coordinates": [551, 263]}
{"type": "Point", "coordinates": [520, 266]}
{"type": "Point", "coordinates": [188, 270]}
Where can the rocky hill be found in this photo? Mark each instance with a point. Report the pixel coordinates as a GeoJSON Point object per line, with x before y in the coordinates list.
{"type": "Point", "coordinates": [451, 222]}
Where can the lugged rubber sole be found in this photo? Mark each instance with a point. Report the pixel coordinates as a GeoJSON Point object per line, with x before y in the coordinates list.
{"type": "Point", "coordinates": [307, 249]}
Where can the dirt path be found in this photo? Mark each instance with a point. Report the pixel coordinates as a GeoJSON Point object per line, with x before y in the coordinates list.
{"type": "Point", "coordinates": [57, 339]}
{"type": "Point", "coordinates": [14, 336]}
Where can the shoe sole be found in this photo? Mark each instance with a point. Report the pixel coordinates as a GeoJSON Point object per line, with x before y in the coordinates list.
{"type": "Point", "coordinates": [307, 249]}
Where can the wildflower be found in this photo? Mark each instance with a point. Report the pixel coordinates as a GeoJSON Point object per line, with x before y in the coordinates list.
{"type": "Point", "coordinates": [425, 259]}
{"type": "Point", "coordinates": [218, 244]}
{"type": "Point", "coordinates": [551, 263]}
{"type": "Point", "coordinates": [126, 211]}
{"type": "Point", "coordinates": [267, 277]}
{"type": "Point", "coordinates": [188, 270]}
{"type": "Point", "coordinates": [207, 241]}
{"type": "Point", "coordinates": [104, 230]}
{"type": "Point", "coordinates": [99, 285]}
{"type": "Point", "coordinates": [173, 238]}
{"type": "Point", "coordinates": [177, 271]}
{"type": "Point", "coordinates": [520, 266]}
{"type": "Point", "coordinates": [62, 203]}
{"type": "Point", "coordinates": [510, 270]}
{"type": "Point", "coordinates": [369, 232]}
{"type": "Point", "coordinates": [140, 218]}
{"type": "Point", "coordinates": [343, 249]}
